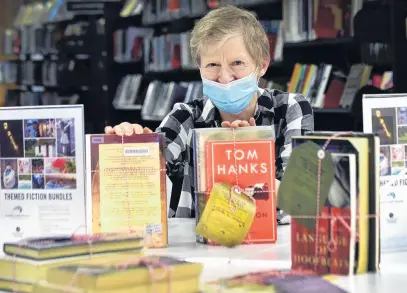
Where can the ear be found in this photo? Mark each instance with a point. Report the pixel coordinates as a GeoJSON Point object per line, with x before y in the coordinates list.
{"type": "Point", "coordinates": [264, 66]}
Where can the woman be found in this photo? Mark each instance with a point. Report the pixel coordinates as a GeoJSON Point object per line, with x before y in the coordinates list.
{"type": "Point", "coordinates": [231, 50]}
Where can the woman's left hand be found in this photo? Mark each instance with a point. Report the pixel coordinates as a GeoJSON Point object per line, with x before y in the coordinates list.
{"type": "Point", "coordinates": [239, 123]}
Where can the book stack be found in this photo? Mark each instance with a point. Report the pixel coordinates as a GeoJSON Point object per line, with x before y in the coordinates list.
{"type": "Point", "coordinates": [331, 188]}
{"type": "Point", "coordinates": [137, 274]}
{"type": "Point", "coordinates": [27, 262]}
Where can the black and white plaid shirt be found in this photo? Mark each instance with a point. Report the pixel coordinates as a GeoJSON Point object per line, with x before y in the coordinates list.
{"type": "Point", "coordinates": [291, 115]}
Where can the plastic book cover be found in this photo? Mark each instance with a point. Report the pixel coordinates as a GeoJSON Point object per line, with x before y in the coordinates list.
{"type": "Point", "coordinates": [127, 185]}
{"type": "Point", "coordinates": [323, 244]}
{"type": "Point", "coordinates": [137, 270]}
{"type": "Point", "coordinates": [365, 147]}
{"type": "Point", "coordinates": [244, 157]}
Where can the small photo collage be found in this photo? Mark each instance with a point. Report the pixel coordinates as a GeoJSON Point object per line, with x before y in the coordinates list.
{"type": "Point", "coordinates": [391, 126]}
{"type": "Point", "coordinates": [37, 154]}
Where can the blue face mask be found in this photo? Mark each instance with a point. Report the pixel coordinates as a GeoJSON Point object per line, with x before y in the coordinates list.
{"type": "Point", "coordinates": [233, 97]}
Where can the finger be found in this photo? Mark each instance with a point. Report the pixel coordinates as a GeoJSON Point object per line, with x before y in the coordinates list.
{"type": "Point", "coordinates": [225, 124]}
{"type": "Point", "coordinates": [235, 124]}
{"type": "Point", "coordinates": [137, 129]}
{"type": "Point", "coordinates": [252, 121]}
{"type": "Point", "coordinates": [109, 130]}
{"type": "Point", "coordinates": [118, 130]}
{"type": "Point", "coordinates": [244, 124]}
{"type": "Point", "coordinates": [147, 130]}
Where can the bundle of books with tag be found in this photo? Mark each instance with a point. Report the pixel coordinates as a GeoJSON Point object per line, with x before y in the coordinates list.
{"type": "Point", "coordinates": [78, 264]}
{"type": "Point", "coordinates": [331, 190]}
{"type": "Point", "coordinates": [235, 185]}
{"type": "Point", "coordinates": [26, 262]}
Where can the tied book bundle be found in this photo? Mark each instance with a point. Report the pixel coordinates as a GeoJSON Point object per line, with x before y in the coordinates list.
{"type": "Point", "coordinates": [330, 189]}
{"type": "Point", "coordinates": [235, 185]}
{"type": "Point", "coordinates": [94, 263]}
{"type": "Point", "coordinates": [127, 177]}
{"type": "Point", "coordinates": [27, 261]}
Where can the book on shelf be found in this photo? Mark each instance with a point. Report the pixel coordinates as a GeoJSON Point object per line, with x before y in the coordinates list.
{"type": "Point", "coordinates": [326, 87]}
{"type": "Point", "coordinates": [160, 97]}
{"type": "Point", "coordinates": [386, 115]}
{"type": "Point", "coordinates": [132, 7]}
{"type": "Point", "coordinates": [168, 52]}
{"type": "Point", "coordinates": [323, 239]}
{"type": "Point", "coordinates": [129, 43]}
{"type": "Point", "coordinates": [127, 182]}
{"type": "Point", "coordinates": [156, 11]}
{"type": "Point", "coordinates": [319, 19]}
{"type": "Point", "coordinates": [131, 92]}
{"type": "Point", "coordinates": [243, 157]}
{"type": "Point", "coordinates": [274, 31]}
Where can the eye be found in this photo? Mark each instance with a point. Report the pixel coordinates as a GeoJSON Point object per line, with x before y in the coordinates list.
{"type": "Point", "coordinates": [211, 65]}
{"type": "Point", "coordinates": [238, 63]}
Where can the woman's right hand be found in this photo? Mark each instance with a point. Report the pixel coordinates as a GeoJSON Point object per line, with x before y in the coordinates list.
{"type": "Point", "coordinates": [126, 128]}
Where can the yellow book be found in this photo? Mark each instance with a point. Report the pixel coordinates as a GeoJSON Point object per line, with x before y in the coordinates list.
{"type": "Point", "coordinates": [175, 286]}
{"type": "Point", "coordinates": [24, 270]}
{"type": "Point", "coordinates": [55, 247]}
{"type": "Point", "coordinates": [137, 271]}
{"type": "Point", "coordinates": [16, 287]}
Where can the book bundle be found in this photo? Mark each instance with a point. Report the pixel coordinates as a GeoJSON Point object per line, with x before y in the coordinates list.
{"type": "Point", "coordinates": [235, 185]}
{"type": "Point", "coordinates": [330, 188]}
{"type": "Point", "coordinates": [110, 262]}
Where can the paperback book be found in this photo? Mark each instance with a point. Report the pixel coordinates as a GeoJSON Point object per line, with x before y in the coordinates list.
{"type": "Point", "coordinates": [127, 182]}
{"type": "Point", "coordinates": [323, 232]}
{"type": "Point", "coordinates": [243, 158]}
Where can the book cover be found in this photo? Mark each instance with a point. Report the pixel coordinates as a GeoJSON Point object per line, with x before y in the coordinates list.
{"type": "Point", "coordinates": [365, 147]}
{"type": "Point", "coordinates": [336, 245]}
{"type": "Point", "coordinates": [127, 185]}
{"type": "Point", "coordinates": [46, 248]}
{"type": "Point", "coordinates": [244, 157]}
{"type": "Point", "coordinates": [137, 270]}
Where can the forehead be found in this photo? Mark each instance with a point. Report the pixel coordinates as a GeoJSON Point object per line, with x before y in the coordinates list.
{"type": "Point", "coordinates": [231, 48]}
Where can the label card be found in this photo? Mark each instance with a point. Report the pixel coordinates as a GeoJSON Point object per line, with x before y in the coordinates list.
{"type": "Point", "coordinates": [227, 216]}
{"type": "Point", "coordinates": [297, 194]}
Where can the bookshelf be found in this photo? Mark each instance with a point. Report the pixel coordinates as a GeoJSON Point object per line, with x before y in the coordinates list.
{"type": "Point", "coordinates": [104, 73]}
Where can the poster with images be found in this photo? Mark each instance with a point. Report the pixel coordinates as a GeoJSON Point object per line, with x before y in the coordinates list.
{"type": "Point", "coordinates": [41, 171]}
{"type": "Point", "coordinates": [386, 115]}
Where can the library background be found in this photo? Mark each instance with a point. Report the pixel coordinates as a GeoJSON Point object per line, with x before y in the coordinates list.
{"type": "Point", "coordinates": [129, 60]}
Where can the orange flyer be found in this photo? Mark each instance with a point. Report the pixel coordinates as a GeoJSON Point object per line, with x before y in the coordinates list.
{"type": "Point", "coordinates": [250, 164]}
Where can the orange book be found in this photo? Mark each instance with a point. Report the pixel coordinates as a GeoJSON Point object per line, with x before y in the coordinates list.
{"type": "Point", "coordinates": [126, 188]}
{"type": "Point", "coordinates": [249, 164]}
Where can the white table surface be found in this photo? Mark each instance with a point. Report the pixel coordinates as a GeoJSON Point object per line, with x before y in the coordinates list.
{"type": "Point", "coordinates": [221, 262]}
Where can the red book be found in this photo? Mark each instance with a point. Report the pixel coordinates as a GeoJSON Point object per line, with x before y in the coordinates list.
{"type": "Point", "coordinates": [249, 164]}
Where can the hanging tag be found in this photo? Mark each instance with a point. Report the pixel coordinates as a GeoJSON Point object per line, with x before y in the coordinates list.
{"type": "Point", "coordinates": [298, 191]}
{"type": "Point", "coordinates": [227, 216]}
